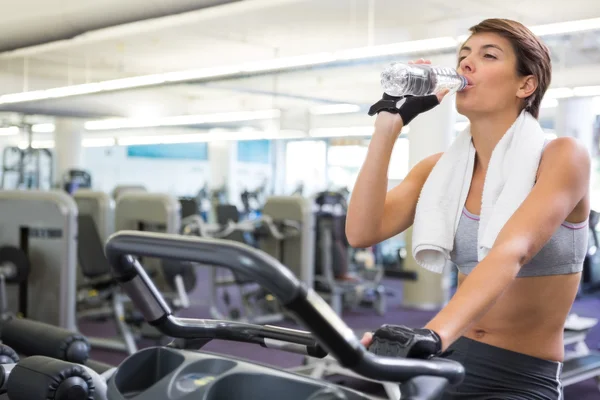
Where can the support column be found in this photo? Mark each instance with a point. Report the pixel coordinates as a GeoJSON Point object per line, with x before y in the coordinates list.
{"type": "Point", "coordinates": [430, 133]}
{"type": "Point", "coordinates": [575, 117]}
{"type": "Point", "coordinates": [68, 147]}
{"type": "Point", "coordinates": [221, 159]}
{"type": "Point", "coordinates": [279, 150]}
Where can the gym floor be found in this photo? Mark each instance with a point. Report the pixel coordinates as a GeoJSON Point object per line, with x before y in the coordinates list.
{"type": "Point", "coordinates": [359, 320]}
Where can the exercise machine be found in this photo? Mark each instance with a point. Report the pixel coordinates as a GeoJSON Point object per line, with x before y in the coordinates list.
{"type": "Point", "coordinates": [99, 297]}
{"type": "Point", "coordinates": [347, 282]}
{"type": "Point", "coordinates": [176, 371]}
{"type": "Point", "coordinates": [27, 168]}
{"type": "Point", "coordinates": [257, 305]}
{"type": "Point", "coordinates": [301, 252]}
{"type": "Point", "coordinates": [590, 278]}
{"type": "Point", "coordinates": [253, 200]}
{"type": "Point", "coordinates": [580, 363]}
{"type": "Point", "coordinates": [120, 189]}
{"type": "Point", "coordinates": [75, 179]}
{"type": "Point", "coordinates": [43, 225]}
{"type": "Point", "coordinates": [157, 212]}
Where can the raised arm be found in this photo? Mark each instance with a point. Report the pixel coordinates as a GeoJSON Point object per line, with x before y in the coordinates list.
{"type": "Point", "coordinates": [375, 214]}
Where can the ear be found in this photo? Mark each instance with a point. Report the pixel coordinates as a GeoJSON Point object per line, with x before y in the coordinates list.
{"type": "Point", "coordinates": [527, 87]}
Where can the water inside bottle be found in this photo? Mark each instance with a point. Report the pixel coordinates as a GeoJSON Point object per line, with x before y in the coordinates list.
{"type": "Point", "coordinates": [447, 78]}
{"type": "Point", "coordinates": [419, 80]}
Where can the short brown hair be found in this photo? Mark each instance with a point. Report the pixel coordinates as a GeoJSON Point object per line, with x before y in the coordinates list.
{"type": "Point", "coordinates": [533, 57]}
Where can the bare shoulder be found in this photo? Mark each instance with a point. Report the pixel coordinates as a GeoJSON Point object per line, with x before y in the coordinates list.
{"type": "Point", "coordinates": [566, 156]}
{"type": "Point", "coordinates": [565, 169]}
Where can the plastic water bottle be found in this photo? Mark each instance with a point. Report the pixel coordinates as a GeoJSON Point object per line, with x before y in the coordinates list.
{"type": "Point", "coordinates": [420, 79]}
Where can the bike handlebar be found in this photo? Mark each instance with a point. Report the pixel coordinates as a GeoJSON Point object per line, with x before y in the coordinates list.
{"type": "Point", "coordinates": [326, 326]}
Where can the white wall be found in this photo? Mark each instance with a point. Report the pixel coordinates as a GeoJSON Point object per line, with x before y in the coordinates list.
{"type": "Point", "coordinates": [110, 167]}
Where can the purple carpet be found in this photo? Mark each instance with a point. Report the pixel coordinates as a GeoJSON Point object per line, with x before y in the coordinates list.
{"type": "Point", "coordinates": [360, 320]}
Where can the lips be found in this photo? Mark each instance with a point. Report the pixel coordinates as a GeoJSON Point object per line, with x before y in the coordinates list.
{"type": "Point", "coordinates": [469, 81]}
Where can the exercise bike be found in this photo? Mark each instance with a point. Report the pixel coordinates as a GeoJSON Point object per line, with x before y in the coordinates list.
{"type": "Point", "coordinates": [179, 371]}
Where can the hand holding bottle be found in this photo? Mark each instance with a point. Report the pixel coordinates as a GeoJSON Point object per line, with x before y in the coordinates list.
{"type": "Point", "coordinates": [395, 112]}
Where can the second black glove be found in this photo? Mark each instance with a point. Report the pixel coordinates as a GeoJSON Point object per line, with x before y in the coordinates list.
{"type": "Point", "coordinates": [402, 341]}
{"type": "Point", "coordinates": [407, 106]}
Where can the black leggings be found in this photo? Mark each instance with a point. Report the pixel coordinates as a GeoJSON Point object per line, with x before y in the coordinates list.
{"type": "Point", "coordinates": [496, 373]}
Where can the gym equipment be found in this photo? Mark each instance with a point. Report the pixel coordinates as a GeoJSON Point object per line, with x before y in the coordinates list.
{"type": "Point", "coordinates": [157, 212]}
{"type": "Point", "coordinates": [252, 201]}
{"type": "Point", "coordinates": [258, 306]}
{"type": "Point", "coordinates": [43, 225]}
{"type": "Point", "coordinates": [581, 363]}
{"type": "Point", "coordinates": [75, 179]}
{"type": "Point", "coordinates": [29, 338]}
{"type": "Point", "coordinates": [153, 212]}
{"type": "Point", "coordinates": [101, 207]}
{"type": "Point", "coordinates": [120, 189]}
{"type": "Point", "coordinates": [189, 207]}
{"type": "Point", "coordinates": [45, 378]}
{"type": "Point", "coordinates": [99, 296]}
{"type": "Point", "coordinates": [28, 165]}
{"type": "Point", "coordinates": [590, 278]}
{"type": "Point", "coordinates": [14, 268]}
{"type": "Point", "coordinates": [300, 254]}
{"type": "Point", "coordinates": [203, 201]}
{"type": "Point", "coordinates": [332, 260]}
{"type": "Point", "coordinates": [172, 372]}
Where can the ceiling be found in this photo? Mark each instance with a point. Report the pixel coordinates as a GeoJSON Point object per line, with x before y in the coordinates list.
{"type": "Point", "coordinates": [57, 43]}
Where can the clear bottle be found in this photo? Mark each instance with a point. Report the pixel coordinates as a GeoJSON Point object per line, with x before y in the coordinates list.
{"type": "Point", "coordinates": [420, 79]}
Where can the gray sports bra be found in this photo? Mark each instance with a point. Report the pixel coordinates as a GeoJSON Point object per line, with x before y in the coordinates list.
{"type": "Point", "coordinates": [563, 254]}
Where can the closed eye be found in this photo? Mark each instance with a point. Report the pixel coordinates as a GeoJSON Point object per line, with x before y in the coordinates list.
{"type": "Point", "coordinates": [491, 56]}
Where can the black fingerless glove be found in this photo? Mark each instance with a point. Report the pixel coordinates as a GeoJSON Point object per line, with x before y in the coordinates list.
{"type": "Point", "coordinates": [401, 341]}
{"type": "Point", "coordinates": [407, 106]}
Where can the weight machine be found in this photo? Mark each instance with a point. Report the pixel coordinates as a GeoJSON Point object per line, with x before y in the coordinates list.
{"type": "Point", "coordinates": [27, 165]}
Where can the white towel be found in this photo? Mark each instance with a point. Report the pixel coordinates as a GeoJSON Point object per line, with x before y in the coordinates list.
{"type": "Point", "coordinates": [510, 177]}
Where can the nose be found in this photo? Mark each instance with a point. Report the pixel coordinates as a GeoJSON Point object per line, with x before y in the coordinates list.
{"type": "Point", "coordinates": [466, 65]}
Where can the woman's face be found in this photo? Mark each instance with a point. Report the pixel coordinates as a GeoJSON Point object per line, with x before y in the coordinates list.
{"type": "Point", "coordinates": [489, 63]}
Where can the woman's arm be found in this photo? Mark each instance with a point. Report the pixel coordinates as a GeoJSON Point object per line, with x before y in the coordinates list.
{"type": "Point", "coordinates": [564, 178]}
{"type": "Point", "coordinates": [374, 214]}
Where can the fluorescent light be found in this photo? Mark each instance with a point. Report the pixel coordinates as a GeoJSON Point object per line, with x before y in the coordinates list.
{"type": "Point", "coordinates": [342, 131]}
{"type": "Point", "coordinates": [43, 128]}
{"type": "Point", "coordinates": [585, 91]}
{"type": "Point", "coordinates": [127, 123]}
{"type": "Point", "coordinates": [283, 63]}
{"type": "Point", "coordinates": [559, 93]}
{"type": "Point", "coordinates": [288, 62]}
{"type": "Point", "coordinates": [566, 27]}
{"type": "Point", "coordinates": [98, 142]}
{"type": "Point", "coordinates": [37, 144]}
{"type": "Point", "coordinates": [401, 48]}
{"type": "Point", "coordinates": [335, 109]}
{"type": "Point", "coordinates": [9, 131]}
{"type": "Point", "coordinates": [549, 102]}
{"type": "Point", "coordinates": [203, 73]}
{"type": "Point", "coordinates": [346, 131]}
{"type": "Point", "coordinates": [275, 64]}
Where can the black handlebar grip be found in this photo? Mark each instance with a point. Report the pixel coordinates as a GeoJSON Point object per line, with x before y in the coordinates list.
{"type": "Point", "coordinates": [44, 378]}
{"type": "Point", "coordinates": [33, 338]}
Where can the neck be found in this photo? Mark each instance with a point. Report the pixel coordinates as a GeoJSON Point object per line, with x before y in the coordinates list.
{"type": "Point", "coordinates": [486, 131]}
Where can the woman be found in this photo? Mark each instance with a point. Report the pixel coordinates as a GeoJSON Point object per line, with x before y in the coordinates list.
{"type": "Point", "coordinates": [505, 322]}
